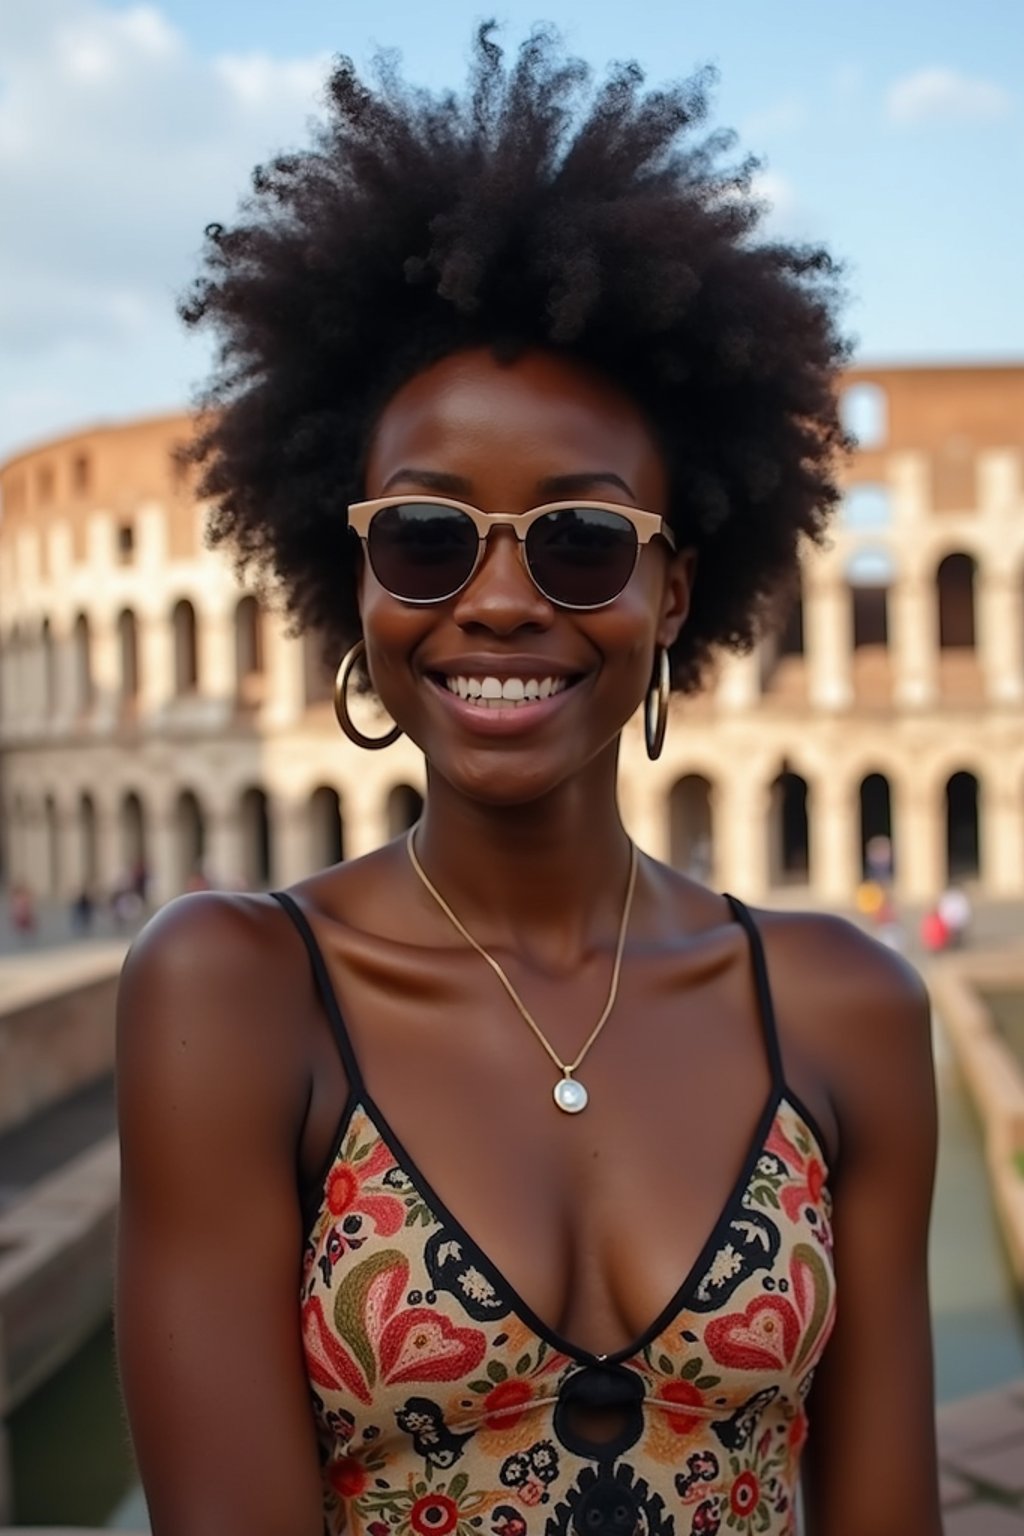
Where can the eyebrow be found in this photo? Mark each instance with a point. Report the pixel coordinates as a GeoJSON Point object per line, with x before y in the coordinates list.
{"type": "Point", "coordinates": [552, 485]}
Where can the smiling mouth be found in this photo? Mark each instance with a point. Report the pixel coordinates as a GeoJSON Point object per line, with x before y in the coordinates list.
{"type": "Point", "coordinates": [503, 693]}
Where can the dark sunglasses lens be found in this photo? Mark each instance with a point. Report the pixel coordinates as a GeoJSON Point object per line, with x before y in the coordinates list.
{"type": "Point", "coordinates": [420, 552]}
{"type": "Point", "coordinates": [582, 556]}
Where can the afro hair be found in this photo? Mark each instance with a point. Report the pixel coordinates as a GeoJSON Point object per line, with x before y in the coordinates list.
{"type": "Point", "coordinates": [538, 210]}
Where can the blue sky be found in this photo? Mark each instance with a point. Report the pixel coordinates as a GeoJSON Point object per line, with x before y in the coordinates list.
{"type": "Point", "coordinates": [894, 132]}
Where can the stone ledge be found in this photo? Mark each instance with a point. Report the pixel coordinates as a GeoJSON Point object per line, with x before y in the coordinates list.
{"type": "Point", "coordinates": [56, 1270]}
{"type": "Point", "coordinates": [994, 1076]}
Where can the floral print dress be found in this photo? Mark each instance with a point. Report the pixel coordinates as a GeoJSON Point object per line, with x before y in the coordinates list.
{"type": "Point", "coordinates": [445, 1407]}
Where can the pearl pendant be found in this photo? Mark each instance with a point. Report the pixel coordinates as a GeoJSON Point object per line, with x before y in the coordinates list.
{"type": "Point", "coordinates": [570, 1095]}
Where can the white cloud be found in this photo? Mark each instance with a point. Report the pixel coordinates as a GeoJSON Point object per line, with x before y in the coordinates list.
{"type": "Point", "coordinates": [945, 94]}
{"type": "Point", "coordinates": [118, 144]}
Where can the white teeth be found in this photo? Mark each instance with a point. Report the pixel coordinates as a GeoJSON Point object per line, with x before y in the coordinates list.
{"type": "Point", "coordinates": [492, 693]}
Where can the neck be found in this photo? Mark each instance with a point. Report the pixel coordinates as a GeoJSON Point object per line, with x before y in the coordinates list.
{"type": "Point", "coordinates": [547, 878]}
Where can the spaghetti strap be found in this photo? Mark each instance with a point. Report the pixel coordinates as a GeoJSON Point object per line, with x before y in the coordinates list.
{"type": "Point", "coordinates": [764, 992]}
{"type": "Point", "coordinates": [324, 988]}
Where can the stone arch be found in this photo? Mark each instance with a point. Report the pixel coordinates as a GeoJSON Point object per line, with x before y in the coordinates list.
{"type": "Point", "coordinates": [88, 841]}
{"type": "Point", "coordinates": [128, 646]}
{"type": "Point", "coordinates": [190, 841]}
{"type": "Point", "coordinates": [963, 826]}
{"type": "Point", "coordinates": [186, 648]}
{"type": "Point", "coordinates": [81, 643]}
{"type": "Point", "coordinates": [134, 837]}
{"type": "Point", "coordinates": [16, 850]}
{"type": "Point", "coordinates": [789, 861]}
{"type": "Point", "coordinates": [691, 826]}
{"type": "Point", "coordinates": [876, 839]}
{"type": "Point", "coordinates": [955, 581]}
{"type": "Point", "coordinates": [14, 692]}
{"type": "Point", "coordinates": [49, 667]}
{"type": "Point", "coordinates": [405, 806]}
{"type": "Point", "coordinates": [254, 826]}
{"type": "Point", "coordinates": [326, 829]}
{"type": "Point", "coordinates": [250, 651]}
{"type": "Point", "coordinates": [52, 858]}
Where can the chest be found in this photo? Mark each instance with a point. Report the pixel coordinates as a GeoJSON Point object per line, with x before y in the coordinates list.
{"type": "Point", "coordinates": [417, 1344]}
{"type": "Point", "coordinates": [594, 1217]}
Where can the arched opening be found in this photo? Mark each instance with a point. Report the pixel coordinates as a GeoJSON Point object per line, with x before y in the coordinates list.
{"type": "Point", "coordinates": [876, 848]}
{"type": "Point", "coordinates": [790, 851]}
{"type": "Point", "coordinates": [959, 668]}
{"type": "Point", "coordinates": [317, 675]}
{"type": "Point", "coordinates": [190, 840]}
{"type": "Point", "coordinates": [256, 849]}
{"type": "Point", "coordinates": [955, 580]}
{"type": "Point", "coordinates": [963, 844]}
{"type": "Point", "coordinates": [186, 655]}
{"type": "Point", "coordinates": [864, 412]}
{"type": "Point", "coordinates": [51, 823]}
{"type": "Point", "coordinates": [13, 692]}
{"type": "Point", "coordinates": [690, 826]}
{"type": "Point", "coordinates": [405, 806]}
{"type": "Point", "coordinates": [870, 574]}
{"type": "Point", "coordinates": [49, 668]}
{"type": "Point", "coordinates": [128, 644]}
{"type": "Point", "coordinates": [866, 506]}
{"type": "Point", "coordinates": [249, 652]}
{"type": "Point", "coordinates": [326, 833]}
{"type": "Point", "coordinates": [133, 842]}
{"type": "Point", "coordinates": [88, 860]}
{"type": "Point", "coordinates": [81, 641]}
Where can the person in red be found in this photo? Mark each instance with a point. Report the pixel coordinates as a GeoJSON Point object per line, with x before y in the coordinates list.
{"type": "Point", "coordinates": [935, 934]}
{"type": "Point", "coordinates": [505, 1181]}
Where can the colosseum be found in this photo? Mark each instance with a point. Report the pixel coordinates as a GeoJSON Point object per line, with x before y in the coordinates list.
{"type": "Point", "coordinates": [155, 715]}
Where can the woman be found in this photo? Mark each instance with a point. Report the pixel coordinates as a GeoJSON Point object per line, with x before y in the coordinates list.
{"type": "Point", "coordinates": [485, 1184]}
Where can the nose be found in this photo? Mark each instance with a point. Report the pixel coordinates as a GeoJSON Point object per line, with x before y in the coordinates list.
{"type": "Point", "coordinates": [502, 596]}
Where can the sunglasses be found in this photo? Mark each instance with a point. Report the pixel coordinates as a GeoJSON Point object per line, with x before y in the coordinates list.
{"type": "Point", "coordinates": [579, 554]}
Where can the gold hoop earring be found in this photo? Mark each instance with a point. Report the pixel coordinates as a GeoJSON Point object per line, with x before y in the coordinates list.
{"type": "Point", "coordinates": [344, 672]}
{"type": "Point", "coordinates": [656, 706]}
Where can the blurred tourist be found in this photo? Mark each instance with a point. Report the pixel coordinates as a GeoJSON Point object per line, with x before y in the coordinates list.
{"type": "Point", "coordinates": [83, 911]}
{"type": "Point", "coordinates": [22, 910]}
{"type": "Point", "coordinates": [934, 934]}
{"type": "Point", "coordinates": [954, 907]}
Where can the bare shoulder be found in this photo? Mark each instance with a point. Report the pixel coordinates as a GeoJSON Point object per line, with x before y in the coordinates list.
{"type": "Point", "coordinates": [215, 989]}
{"type": "Point", "coordinates": [862, 1013]}
{"type": "Point", "coordinates": [839, 967]}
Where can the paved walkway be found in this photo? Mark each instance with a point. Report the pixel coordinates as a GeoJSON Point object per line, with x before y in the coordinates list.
{"type": "Point", "coordinates": [981, 1449]}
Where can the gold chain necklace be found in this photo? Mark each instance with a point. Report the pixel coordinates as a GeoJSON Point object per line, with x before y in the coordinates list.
{"type": "Point", "coordinates": [569, 1093]}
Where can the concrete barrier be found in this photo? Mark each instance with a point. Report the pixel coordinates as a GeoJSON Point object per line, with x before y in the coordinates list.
{"type": "Point", "coordinates": [992, 1072]}
{"type": "Point", "coordinates": [56, 1026]}
{"type": "Point", "coordinates": [56, 1277]}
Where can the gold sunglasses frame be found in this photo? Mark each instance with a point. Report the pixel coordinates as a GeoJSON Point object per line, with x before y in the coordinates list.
{"type": "Point", "coordinates": [646, 526]}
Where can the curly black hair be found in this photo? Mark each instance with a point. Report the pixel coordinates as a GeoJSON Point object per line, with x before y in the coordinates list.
{"type": "Point", "coordinates": [535, 210]}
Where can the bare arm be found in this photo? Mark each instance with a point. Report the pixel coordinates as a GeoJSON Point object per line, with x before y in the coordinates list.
{"type": "Point", "coordinates": [871, 1461]}
{"type": "Point", "coordinates": [211, 1097]}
